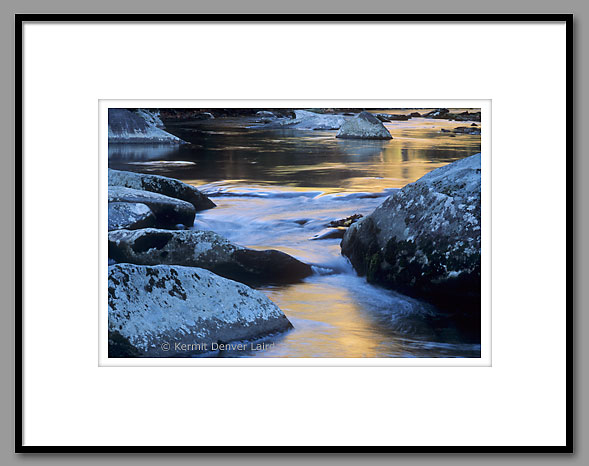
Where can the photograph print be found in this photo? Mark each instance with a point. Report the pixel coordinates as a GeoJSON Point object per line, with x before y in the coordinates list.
{"type": "Point", "coordinates": [294, 232]}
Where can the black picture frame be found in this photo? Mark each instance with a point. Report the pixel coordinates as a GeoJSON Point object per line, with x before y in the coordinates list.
{"type": "Point", "coordinates": [20, 19]}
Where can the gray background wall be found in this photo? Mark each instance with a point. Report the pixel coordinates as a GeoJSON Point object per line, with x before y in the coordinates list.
{"type": "Point", "coordinates": [578, 120]}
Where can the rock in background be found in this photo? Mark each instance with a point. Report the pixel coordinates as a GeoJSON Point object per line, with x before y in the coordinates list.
{"type": "Point", "coordinates": [127, 127]}
{"type": "Point", "coordinates": [364, 126]}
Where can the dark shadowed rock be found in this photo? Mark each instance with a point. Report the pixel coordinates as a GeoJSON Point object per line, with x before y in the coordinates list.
{"type": "Point", "coordinates": [128, 127]}
{"type": "Point", "coordinates": [168, 211]}
{"type": "Point", "coordinates": [364, 126]}
{"type": "Point", "coordinates": [467, 130]}
{"type": "Point", "coordinates": [120, 346]}
{"type": "Point", "coordinates": [384, 117]}
{"type": "Point", "coordinates": [162, 185]}
{"type": "Point", "coordinates": [438, 113]}
{"type": "Point", "coordinates": [425, 241]}
{"type": "Point", "coordinates": [445, 114]}
{"type": "Point", "coordinates": [167, 311]}
{"type": "Point", "coordinates": [207, 250]}
{"type": "Point", "coordinates": [129, 216]}
{"type": "Point", "coordinates": [344, 222]}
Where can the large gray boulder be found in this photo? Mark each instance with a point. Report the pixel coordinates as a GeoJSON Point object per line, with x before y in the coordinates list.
{"type": "Point", "coordinates": [168, 211]}
{"type": "Point", "coordinates": [161, 185]}
{"type": "Point", "coordinates": [425, 241]}
{"type": "Point", "coordinates": [207, 250]}
{"type": "Point", "coordinates": [167, 311]}
{"type": "Point", "coordinates": [127, 127]}
{"type": "Point", "coordinates": [130, 216]}
{"type": "Point", "coordinates": [364, 126]}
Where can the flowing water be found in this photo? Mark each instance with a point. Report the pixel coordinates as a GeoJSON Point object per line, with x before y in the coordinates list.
{"type": "Point", "coordinates": [277, 189]}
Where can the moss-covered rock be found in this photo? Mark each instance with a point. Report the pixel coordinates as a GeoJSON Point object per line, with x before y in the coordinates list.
{"type": "Point", "coordinates": [425, 241]}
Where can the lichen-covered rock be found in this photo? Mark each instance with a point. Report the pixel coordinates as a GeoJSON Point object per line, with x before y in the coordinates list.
{"type": "Point", "coordinates": [129, 216]}
{"type": "Point", "coordinates": [168, 211]}
{"type": "Point", "coordinates": [127, 127]}
{"type": "Point", "coordinates": [364, 126]}
{"type": "Point", "coordinates": [151, 116]}
{"type": "Point", "coordinates": [167, 311]}
{"type": "Point", "coordinates": [425, 240]}
{"type": "Point", "coordinates": [207, 250]}
{"type": "Point", "coordinates": [161, 185]}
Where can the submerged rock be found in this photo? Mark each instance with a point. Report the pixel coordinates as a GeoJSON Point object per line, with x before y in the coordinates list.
{"type": "Point", "coordinates": [129, 216]}
{"type": "Point", "coordinates": [168, 211]}
{"type": "Point", "coordinates": [330, 233]}
{"type": "Point", "coordinates": [167, 311]}
{"type": "Point", "coordinates": [161, 185]}
{"type": "Point", "coordinates": [345, 222]}
{"type": "Point", "coordinates": [364, 126]}
{"type": "Point", "coordinates": [208, 250]}
{"type": "Point", "coordinates": [425, 241]}
{"type": "Point", "coordinates": [127, 127]}
{"type": "Point", "coordinates": [467, 130]}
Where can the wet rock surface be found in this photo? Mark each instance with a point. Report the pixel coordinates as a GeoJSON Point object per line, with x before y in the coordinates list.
{"type": "Point", "coordinates": [175, 311]}
{"type": "Point", "coordinates": [344, 222]}
{"type": "Point", "coordinates": [207, 250]}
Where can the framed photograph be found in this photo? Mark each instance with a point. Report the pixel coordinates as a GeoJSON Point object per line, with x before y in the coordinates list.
{"type": "Point", "coordinates": [222, 217]}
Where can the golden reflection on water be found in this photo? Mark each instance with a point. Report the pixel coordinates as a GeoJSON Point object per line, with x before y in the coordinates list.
{"type": "Point", "coordinates": [333, 323]}
{"type": "Point", "coordinates": [321, 161]}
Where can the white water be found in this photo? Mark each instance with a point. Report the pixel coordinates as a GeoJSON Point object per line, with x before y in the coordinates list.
{"type": "Point", "coordinates": [335, 313]}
